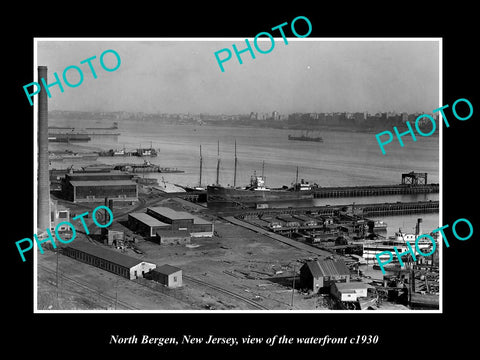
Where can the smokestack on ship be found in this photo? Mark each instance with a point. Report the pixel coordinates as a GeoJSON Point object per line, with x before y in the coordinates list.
{"type": "Point", "coordinates": [43, 208]}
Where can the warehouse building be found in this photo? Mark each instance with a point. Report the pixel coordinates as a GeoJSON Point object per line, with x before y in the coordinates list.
{"type": "Point", "coordinates": [173, 237]}
{"type": "Point", "coordinates": [349, 291]}
{"type": "Point", "coordinates": [322, 273]}
{"type": "Point", "coordinates": [109, 260]}
{"type": "Point", "coordinates": [163, 218]}
{"type": "Point", "coordinates": [167, 275]}
{"type": "Point", "coordinates": [94, 187]}
{"type": "Point", "coordinates": [180, 220]}
{"type": "Point", "coordinates": [146, 225]}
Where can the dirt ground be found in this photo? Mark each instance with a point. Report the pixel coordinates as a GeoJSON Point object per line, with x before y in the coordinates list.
{"type": "Point", "coordinates": [255, 268]}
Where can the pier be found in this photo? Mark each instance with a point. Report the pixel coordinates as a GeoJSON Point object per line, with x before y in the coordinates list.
{"type": "Point", "coordinates": [383, 209]}
{"type": "Point", "coordinates": [379, 190]}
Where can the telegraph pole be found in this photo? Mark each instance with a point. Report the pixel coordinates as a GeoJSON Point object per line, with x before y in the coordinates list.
{"type": "Point", "coordinates": [235, 167]}
{"type": "Point", "coordinates": [293, 284]}
{"type": "Point", "coordinates": [56, 282]}
{"type": "Point", "coordinates": [218, 162]}
{"type": "Point", "coordinates": [201, 162]}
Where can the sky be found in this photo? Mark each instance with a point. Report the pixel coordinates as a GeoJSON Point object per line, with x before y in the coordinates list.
{"type": "Point", "coordinates": [305, 75]}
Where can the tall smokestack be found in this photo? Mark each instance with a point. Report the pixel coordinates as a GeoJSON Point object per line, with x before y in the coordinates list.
{"type": "Point", "coordinates": [43, 209]}
{"type": "Point", "coordinates": [418, 228]}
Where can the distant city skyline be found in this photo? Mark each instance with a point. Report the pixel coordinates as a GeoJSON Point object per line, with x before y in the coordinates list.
{"type": "Point", "coordinates": [313, 76]}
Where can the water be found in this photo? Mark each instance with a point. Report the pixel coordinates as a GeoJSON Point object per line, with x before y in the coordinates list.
{"type": "Point", "coordinates": [343, 159]}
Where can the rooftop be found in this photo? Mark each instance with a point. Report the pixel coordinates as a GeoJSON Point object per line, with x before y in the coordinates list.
{"type": "Point", "coordinates": [167, 269]}
{"type": "Point", "coordinates": [351, 286]}
{"type": "Point", "coordinates": [322, 268]}
{"type": "Point", "coordinates": [147, 219]}
{"type": "Point", "coordinates": [105, 253]}
{"type": "Point", "coordinates": [97, 174]}
{"type": "Point", "coordinates": [170, 213]}
{"type": "Point", "coordinates": [102, 182]}
{"type": "Point", "coordinates": [199, 220]}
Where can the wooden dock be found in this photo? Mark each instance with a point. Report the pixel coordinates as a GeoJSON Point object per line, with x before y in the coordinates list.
{"type": "Point", "coordinates": [381, 209]}
{"type": "Point", "coordinates": [380, 190]}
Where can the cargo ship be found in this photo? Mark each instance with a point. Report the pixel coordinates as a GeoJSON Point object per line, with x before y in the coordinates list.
{"type": "Point", "coordinates": [257, 192]}
{"type": "Point", "coordinates": [141, 152]}
{"type": "Point", "coordinates": [71, 156]}
{"type": "Point", "coordinates": [67, 138]}
{"type": "Point", "coordinates": [95, 134]}
{"type": "Point", "coordinates": [146, 167]}
{"type": "Point", "coordinates": [305, 137]}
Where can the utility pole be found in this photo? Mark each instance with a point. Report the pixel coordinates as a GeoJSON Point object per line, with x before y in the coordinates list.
{"type": "Point", "coordinates": [293, 284]}
{"type": "Point", "coordinates": [56, 282]}
{"type": "Point", "coordinates": [235, 167]}
{"type": "Point", "coordinates": [201, 161]}
{"type": "Point", "coordinates": [218, 162]}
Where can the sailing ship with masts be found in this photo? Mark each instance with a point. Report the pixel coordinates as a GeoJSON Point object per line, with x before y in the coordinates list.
{"type": "Point", "coordinates": [257, 191]}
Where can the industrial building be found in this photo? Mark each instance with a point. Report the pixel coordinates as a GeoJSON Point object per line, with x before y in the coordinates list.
{"type": "Point", "coordinates": [173, 237]}
{"type": "Point", "coordinates": [349, 291]}
{"type": "Point", "coordinates": [146, 224]}
{"type": "Point", "coordinates": [162, 220]}
{"type": "Point", "coordinates": [181, 220]}
{"type": "Point", "coordinates": [92, 187]}
{"type": "Point", "coordinates": [323, 273]}
{"type": "Point", "coordinates": [167, 275]}
{"type": "Point", "coordinates": [58, 214]}
{"type": "Point", "coordinates": [114, 235]}
{"type": "Point", "coordinates": [109, 260]}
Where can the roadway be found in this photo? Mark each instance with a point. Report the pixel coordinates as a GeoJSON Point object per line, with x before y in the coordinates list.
{"type": "Point", "coordinates": [278, 237]}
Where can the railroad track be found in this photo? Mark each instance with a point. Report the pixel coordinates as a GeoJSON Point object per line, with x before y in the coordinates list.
{"type": "Point", "coordinates": [226, 292]}
{"type": "Point", "coordinates": [109, 298]}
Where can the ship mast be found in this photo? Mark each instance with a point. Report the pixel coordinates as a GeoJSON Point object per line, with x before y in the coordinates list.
{"type": "Point", "coordinates": [296, 178]}
{"type": "Point", "coordinates": [201, 161]}
{"type": "Point", "coordinates": [218, 161]}
{"type": "Point", "coordinates": [263, 168]}
{"type": "Point", "coordinates": [235, 167]}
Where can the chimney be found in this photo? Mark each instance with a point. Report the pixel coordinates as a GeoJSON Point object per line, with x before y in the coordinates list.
{"type": "Point", "coordinates": [418, 228]}
{"type": "Point", "coordinates": [43, 208]}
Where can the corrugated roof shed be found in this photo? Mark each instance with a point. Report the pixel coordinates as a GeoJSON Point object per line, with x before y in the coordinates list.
{"type": "Point", "coordinates": [322, 268]}
{"type": "Point", "coordinates": [167, 269]}
{"type": "Point", "coordinates": [199, 220]}
{"type": "Point", "coordinates": [101, 182]}
{"type": "Point", "coordinates": [170, 213]}
{"type": "Point", "coordinates": [80, 175]}
{"type": "Point", "coordinates": [106, 254]}
{"type": "Point", "coordinates": [147, 219]}
{"type": "Point", "coordinates": [351, 286]}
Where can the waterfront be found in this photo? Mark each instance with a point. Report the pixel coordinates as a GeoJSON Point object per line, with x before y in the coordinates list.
{"type": "Point", "coordinates": [343, 159]}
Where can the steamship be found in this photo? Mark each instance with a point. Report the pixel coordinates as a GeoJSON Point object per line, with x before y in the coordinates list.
{"type": "Point", "coordinates": [256, 192]}
{"type": "Point", "coordinates": [305, 137]}
{"type": "Point", "coordinates": [399, 241]}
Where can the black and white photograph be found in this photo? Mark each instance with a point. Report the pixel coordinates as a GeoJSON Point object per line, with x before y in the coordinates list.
{"type": "Point", "coordinates": [223, 196]}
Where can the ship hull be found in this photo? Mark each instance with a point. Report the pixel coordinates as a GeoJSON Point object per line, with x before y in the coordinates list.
{"type": "Point", "coordinates": [219, 194]}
